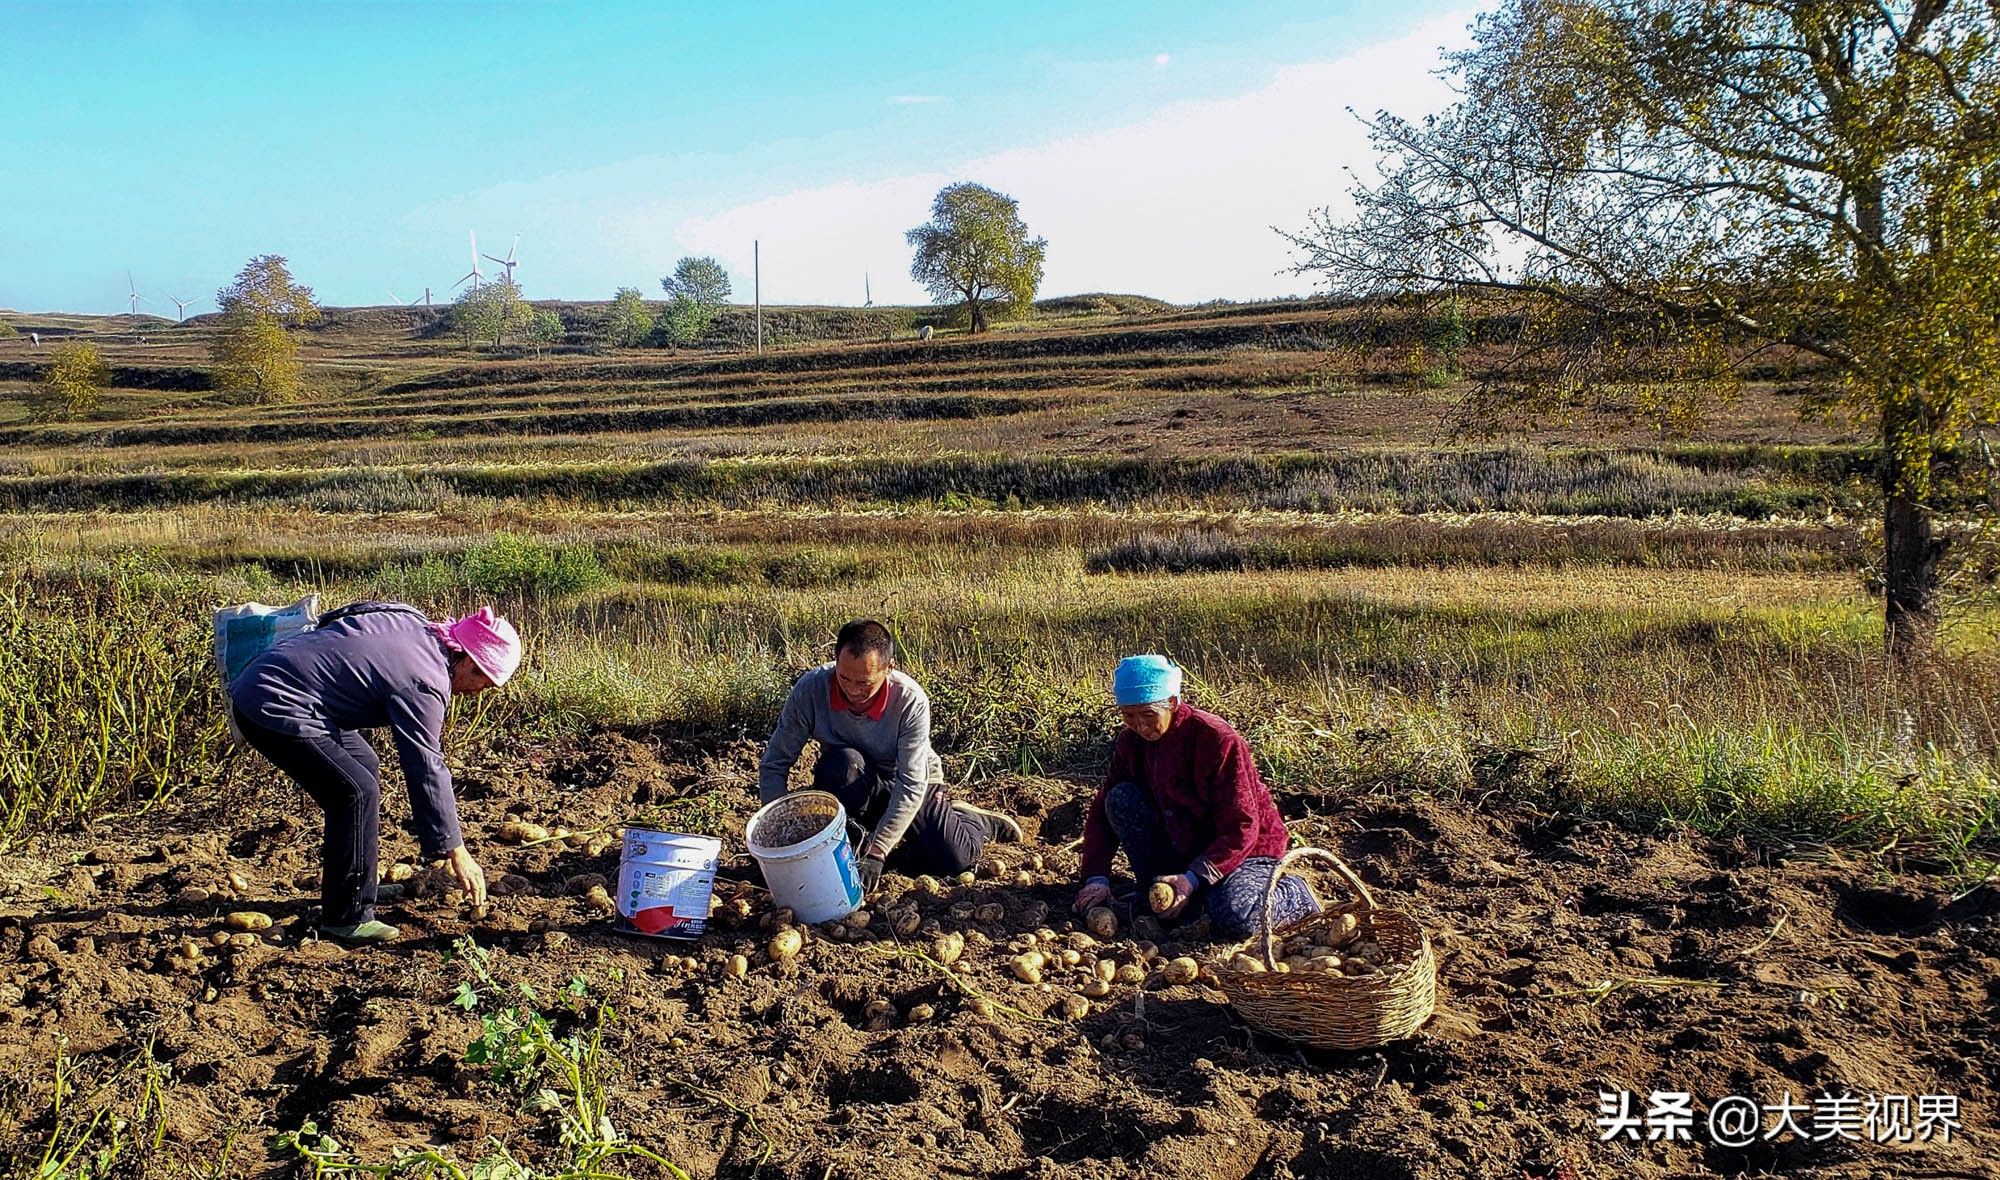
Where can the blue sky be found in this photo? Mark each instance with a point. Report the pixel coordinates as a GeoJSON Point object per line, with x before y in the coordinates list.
{"type": "Point", "coordinates": [1154, 144]}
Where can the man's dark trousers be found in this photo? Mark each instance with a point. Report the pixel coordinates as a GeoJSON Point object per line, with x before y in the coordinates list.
{"type": "Point", "coordinates": [940, 841]}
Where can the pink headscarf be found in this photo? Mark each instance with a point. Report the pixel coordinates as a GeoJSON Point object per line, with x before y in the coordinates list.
{"type": "Point", "coordinates": [491, 641]}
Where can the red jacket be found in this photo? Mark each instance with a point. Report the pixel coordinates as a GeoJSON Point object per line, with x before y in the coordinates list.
{"type": "Point", "coordinates": [1216, 809]}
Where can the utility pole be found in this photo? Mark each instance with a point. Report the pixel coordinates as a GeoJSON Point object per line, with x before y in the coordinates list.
{"type": "Point", "coordinates": [757, 290]}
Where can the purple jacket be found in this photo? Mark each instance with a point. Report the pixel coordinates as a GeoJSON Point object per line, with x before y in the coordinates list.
{"type": "Point", "coordinates": [364, 671]}
{"type": "Point", "coordinates": [1215, 807]}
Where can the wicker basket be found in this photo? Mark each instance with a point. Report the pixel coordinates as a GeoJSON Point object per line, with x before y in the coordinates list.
{"type": "Point", "coordinates": [1328, 1011]}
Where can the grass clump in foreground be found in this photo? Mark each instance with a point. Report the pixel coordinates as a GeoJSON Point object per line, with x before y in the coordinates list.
{"type": "Point", "coordinates": [108, 694]}
{"type": "Point", "coordinates": [100, 1116]}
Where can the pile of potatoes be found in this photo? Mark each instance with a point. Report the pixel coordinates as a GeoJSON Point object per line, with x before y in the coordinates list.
{"type": "Point", "coordinates": [1077, 961]}
{"type": "Point", "coordinates": [1331, 948]}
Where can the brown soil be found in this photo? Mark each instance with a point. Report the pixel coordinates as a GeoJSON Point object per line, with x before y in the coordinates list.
{"type": "Point", "coordinates": [1826, 974]}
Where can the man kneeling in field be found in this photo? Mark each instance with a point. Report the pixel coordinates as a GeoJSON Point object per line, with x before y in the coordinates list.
{"type": "Point", "coordinates": [873, 725]}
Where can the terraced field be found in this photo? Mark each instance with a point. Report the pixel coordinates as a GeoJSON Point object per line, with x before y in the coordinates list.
{"type": "Point", "coordinates": [1581, 640]}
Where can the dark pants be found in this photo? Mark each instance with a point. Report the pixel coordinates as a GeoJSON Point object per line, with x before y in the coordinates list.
{"type": "Point", "coordinates": [939, 841]}
{"type": "Point", "coordinates": [1235, 904]}
{"type": "Point", "coordinates": [343, 776]}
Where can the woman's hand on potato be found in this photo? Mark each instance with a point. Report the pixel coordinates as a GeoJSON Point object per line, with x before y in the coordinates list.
{"type": "Point", "coordinates": [471, 877]}
{"type": "Point", "coordinates": [1182, 887]}
{"type": "Point", "coordinates": [1092, 893]}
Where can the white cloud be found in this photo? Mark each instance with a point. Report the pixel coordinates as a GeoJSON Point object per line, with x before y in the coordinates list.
{"type": "Point", "coordinates": [1160, 60]}
{"type": "Point", "coordinates": [914, 100]}
{"type": "Point", "coordinates": [1180, 205]}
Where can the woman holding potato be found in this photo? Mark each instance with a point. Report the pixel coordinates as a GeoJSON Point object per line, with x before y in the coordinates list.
{"type": "Point", "coordinates": [372, 664]}
{"type": "Point", "coordinates": [1184, 800]}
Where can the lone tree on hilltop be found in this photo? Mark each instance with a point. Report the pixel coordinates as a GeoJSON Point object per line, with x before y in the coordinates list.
{"type": "Point", "coordinates": [628, 320]}
{"type": "Point", "coordinates": [697, 290]}
{"type": "Point", "coordinates": [975, 247]}
{"type": "Point", "coordinates": [1664, 186]}
{"type": "Point", "coordinates": [72, 385]}
{"type": "Point", "coordinates": [255, 350]}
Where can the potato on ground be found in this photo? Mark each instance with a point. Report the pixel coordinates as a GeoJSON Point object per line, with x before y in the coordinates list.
{"type": "Point", "coordinates": [784, 945]}
{"type": "Point", "coordinates": [516, 831]}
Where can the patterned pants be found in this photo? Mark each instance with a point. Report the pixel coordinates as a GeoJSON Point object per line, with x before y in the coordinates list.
{"type": "Point", "coordinates": [1235, 903]}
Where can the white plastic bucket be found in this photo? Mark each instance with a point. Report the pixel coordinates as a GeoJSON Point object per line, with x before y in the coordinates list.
{"type": "Point", "coordinates": [664, 882]}
{"type": "Point", "coordinates": [813, 874]}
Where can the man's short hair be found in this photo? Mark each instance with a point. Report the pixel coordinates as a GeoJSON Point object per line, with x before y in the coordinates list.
{"type": "Point", "coordinates": [862, 636]}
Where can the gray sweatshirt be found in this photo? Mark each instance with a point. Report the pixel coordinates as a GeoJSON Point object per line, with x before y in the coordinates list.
{"type": "Point", "coordinates": [384, 667]}
{"type": "Point", "coordinates": [897, 747]}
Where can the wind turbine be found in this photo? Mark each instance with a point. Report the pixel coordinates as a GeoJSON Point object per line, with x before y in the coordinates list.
{"type": "Point", "coordinates": [508, 261]}
{"type": "Point", "coordinates": [425, 299]}
{"type": "Point", "coordinates": [474, 274]}
{"type": "Point", "coordinates": [137, 298]}
{"type": "Point", "coordinates": [867, 292]}
{"type": "Point", "coordinates": [182, 304]}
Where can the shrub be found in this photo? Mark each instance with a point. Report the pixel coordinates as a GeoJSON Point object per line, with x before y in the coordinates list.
{"type": "Point", "coordinates": [627, 320]}
{"type": "Point", "coordinates": [72, 385]}
{"type": "Point", "coordinates": [681, 565]}
{"type": "Point", "coordinates": [523, 567]}
{"type": "Point", "coordinates": [812, 569]}
{"type": "Point", "coordinates": [429, 582]}
{"type": "Point", "coordinates": [685, 322]}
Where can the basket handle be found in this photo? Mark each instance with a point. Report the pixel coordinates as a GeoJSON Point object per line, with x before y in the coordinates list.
{"type": "Point", "coordinates": [1277, 874]}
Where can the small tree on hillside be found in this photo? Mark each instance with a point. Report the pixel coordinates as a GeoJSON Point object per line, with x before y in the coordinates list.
{"type": "Point", "coordinates": [265, 287]}
{"type": "Point", "coordinates": [259, 356]}
{"type": "Point", "coordinates": [8, 331]}
{"type": "Point", "coordinates": [255, 351]}
{"type": "Point", "coordinates": [545, 329]}
{"type": "Point", "coordinates": [683, 322]}
{"type": "Point", "coordinates": [72, 385]}
{"type": "Point", "coordinates": [698, 289]}
{"type": "Point", "coordinates": [494, 310]}
{"type": "Point", "coordinates": [700, 279]}
{"type": "Point", "coordinates": [974, 248]}
{"type": "Point", "coordinates": [628, 321]}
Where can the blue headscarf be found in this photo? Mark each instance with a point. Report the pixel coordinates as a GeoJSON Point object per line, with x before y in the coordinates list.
{"type": "Point", "coordinates": [1145, 680]}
